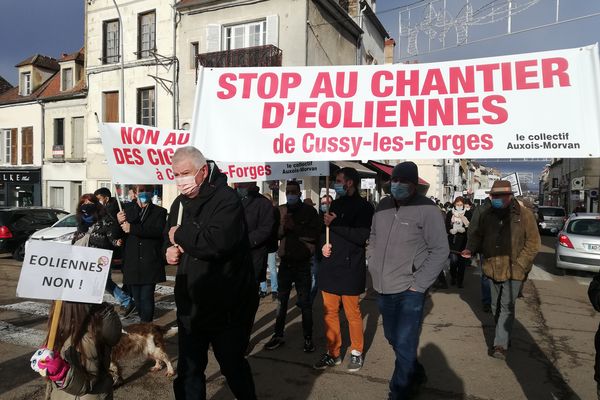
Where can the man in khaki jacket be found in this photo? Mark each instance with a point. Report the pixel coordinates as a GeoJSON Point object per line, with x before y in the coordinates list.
{"type": "Point", "coordinates": [508, 238]}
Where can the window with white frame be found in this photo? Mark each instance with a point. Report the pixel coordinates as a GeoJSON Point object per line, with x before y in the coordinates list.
{"type": "Point", "coordinates": [110, 45]}
{"type": "Point", "coordinates": [5, 146]}
{"type": "Point", "coordinates": [145, 106]}
{"type": "Point", "coordinates": [245, 35]}
{"type": "Point", "coordinates": [67, 79]}
{"type": "Point", "coordinates": [146, 34]}
{"type": "Point", "coordinates": [25, 84]}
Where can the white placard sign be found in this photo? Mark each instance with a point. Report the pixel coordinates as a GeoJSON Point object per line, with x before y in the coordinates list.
{"type": "Point", "coordinates": [368, 183]}
{"type": "Point", "coordinates": [58, 271]}
{"type": "Point", "coordinates": [514, 183]}
{"type": "Point", "coordinates": [543, 104]}
{"type": "Point", "coordinates": [142, 154]}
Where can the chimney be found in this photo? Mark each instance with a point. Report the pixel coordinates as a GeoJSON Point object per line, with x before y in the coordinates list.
{"type": "Point", "coordinates": [388, 51]}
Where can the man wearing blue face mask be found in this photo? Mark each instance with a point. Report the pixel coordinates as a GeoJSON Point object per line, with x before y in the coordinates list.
{"type": "Point", "coordinates": [508, 237]}
{"type": "Point", "coordinates": [143, 265]}
{"type": "Point", "coordinates": [298, 233]}
{"type": "Point", "coordinates": [407, 250]}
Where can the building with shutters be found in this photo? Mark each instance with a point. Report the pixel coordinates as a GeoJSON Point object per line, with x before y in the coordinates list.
{"type": "Point", "coordinates": [237, 33]}
{"type": "Point", "coordinates": [42, 133]}
{"type": "Point", "coordinates": [137, 38]}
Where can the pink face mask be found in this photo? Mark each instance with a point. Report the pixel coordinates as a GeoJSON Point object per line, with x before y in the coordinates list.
{"type": "Point", "coordinates": [187, 185]}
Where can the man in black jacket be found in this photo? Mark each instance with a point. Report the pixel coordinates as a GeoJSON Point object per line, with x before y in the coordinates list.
{"type": "Point", "coordinates": [143, 266]}
{"type": "Point", "coordinates": [343, 269]}
{"type": "Point", "coordinates": [298, 231]}
{"type": "Point", "coordinates": [215, 289]}
{"type": "Point", "coordinates": [258, 211]}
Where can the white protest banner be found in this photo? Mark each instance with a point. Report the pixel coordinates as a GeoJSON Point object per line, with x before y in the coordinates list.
{"type": "Point", "coordinates": [368, 183]}
{"type": "Point", "coordinates": [514, 183]}
{"type": "Point", "coordinates": [142, 154]}
{"type": "Point", "coordinates": [529, 105]}
{"type": "Point", "coordinates": [58, 271]}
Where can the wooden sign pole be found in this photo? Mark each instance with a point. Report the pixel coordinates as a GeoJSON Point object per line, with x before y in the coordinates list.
{"type": "Point", "coordinates": [54, 324]}
{"type": "Point", "coordinates": [328, 205]}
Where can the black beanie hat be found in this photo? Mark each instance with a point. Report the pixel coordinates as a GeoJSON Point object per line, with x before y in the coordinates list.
{"type": "Point", "coordinates": [407, 171]}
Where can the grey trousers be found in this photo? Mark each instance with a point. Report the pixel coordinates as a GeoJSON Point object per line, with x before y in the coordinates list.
{"type": "Point", "coordinates": [504, 295]}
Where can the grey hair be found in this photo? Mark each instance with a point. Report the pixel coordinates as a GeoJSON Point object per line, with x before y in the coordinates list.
{"type": "Point", "coordinates": [189, 153]}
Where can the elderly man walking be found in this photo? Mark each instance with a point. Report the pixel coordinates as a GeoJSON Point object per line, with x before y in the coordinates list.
{"type": "Point", "coordinates": [215, 289]}
{"type": "Point", "coordinates": [407, 250]}
{"type": "Point", "coordinates": [508, 237]}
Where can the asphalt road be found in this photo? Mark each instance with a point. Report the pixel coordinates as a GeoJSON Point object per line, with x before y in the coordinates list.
{"type": "Point", "coordinates": [551, 357]}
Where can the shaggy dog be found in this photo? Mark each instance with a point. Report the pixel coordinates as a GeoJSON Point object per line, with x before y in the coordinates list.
{"type": "Point", "coordinates": [144, 339]}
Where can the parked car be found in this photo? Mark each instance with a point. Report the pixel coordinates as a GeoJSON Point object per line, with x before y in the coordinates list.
{"type": "Point", "coordinates": [17, 224]}
{"type": "Point", "coordinates": [62, 231]}
{"type": "Point", "coordinates": [550, 219]}
{"type": "Point", "coordinates": [578, 244]}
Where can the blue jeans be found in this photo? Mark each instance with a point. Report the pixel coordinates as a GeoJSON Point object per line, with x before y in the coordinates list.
{"type": "Point", "coordinates": [111, 287]}
{"type": "Point", "coordinates": [143, 295]}
{"type": "Point", "coordinates": [402, 318]}
{"type": "Point", "coordinates": [272, 264]}
{"type": "Point", "coordinates": [504, 295]}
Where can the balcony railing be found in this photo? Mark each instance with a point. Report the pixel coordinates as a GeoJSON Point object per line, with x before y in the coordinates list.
{"type": "Point", "coordinates": [258, 56]}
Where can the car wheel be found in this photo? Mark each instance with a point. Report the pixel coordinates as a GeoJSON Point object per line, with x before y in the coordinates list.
{"type": "Point", "coordinates": [19, 253]}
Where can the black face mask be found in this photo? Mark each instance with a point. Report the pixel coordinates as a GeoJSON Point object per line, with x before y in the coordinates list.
{"type": "Point", "coordinates": [88, 209]}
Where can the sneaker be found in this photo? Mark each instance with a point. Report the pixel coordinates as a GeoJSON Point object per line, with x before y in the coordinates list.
{"type": "Point", "coordinates": [275, 342]}
{"type": "Point", "coordinates": [262, 294]}
{"type": "Point", "coordinates": [274, 296]}
{"type": "Point", "coordinates": [309, 346]}
{"type": "Point", "coordinates": [356, 363]}
{"type": "Point", "coordinates": [499, 352]}
{"type": "Point", "coordinates": [127, 311]}
{"type": "Point", "coordinates": [327, 361]}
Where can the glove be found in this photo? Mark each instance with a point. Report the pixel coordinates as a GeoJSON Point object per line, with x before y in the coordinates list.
{"type": "Point", "coordinates": [40, 354]}
{"type": "Point", "coordinates": [56, 368]}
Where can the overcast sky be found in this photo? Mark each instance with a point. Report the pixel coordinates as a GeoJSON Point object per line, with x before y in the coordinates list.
{"type": "Point", "coordinates": [52, 27]}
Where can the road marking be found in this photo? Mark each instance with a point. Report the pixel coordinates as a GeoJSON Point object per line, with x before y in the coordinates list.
{"type": "Point", "coordinates": [538, 274]}
{"type": "Point", "coordinates": [164, 290]}
{"type": "Point", "coordinates": [170, 278]}
{"type": "Point", "coordinates": [583, 280]}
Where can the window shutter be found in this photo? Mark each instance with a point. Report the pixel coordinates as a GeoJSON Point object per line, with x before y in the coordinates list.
{"type": "Point", "coordinates": [13, 146]}
{"type": "Point", "coordinates": [27, 145]}
{"type": "Point", "coordinates": [213, 38]}
{"type": "Point", "coordinates": [273, 30]}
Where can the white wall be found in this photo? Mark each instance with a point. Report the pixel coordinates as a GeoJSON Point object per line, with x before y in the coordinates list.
{"type": "Point", "coordinates": [20, 116]}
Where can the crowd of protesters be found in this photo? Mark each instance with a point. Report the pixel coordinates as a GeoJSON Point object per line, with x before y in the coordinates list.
{"type": "Point", "coordinates": [228, 238]}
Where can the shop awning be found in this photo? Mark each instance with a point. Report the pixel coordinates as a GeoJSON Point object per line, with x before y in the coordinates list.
{"type": "Point", "coordinates": [361, 169]}
{"type": "Point", "coordinates": [387, 169]}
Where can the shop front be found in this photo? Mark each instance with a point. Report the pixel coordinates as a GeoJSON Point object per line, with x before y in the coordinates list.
{"type": "Point", "coordinates": [20, 187]}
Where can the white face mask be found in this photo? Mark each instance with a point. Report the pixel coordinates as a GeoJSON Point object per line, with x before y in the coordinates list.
{"type": "Point", "coordinates": [187, 185]}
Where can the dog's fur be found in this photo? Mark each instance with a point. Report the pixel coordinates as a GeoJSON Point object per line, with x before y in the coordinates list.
{"type": "Point", "coordinates": [144, 339]}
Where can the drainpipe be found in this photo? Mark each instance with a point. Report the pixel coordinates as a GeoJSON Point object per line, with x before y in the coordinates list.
{"type": "Point", "coordinates": [175, 70]}
{"type": "Point", "coordinates": [42, 185]}
{"type": "Point", "coordinates": [359, 47]}
{"type": "Point", "coordinates": [122, 58]}
{"type": "Point", "coordinates": [306, 36]}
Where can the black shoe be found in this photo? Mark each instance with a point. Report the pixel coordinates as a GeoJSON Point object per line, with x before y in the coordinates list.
{"type": "Point", "coordinates": [309, 346]}
{"type": "Point", "coordinates": [356, 363]}
{"type": "Point", "coordinates": [262, 294]}
{"type": "Point", "coordinates": [327, 361]}
{"type": "Point", "coordinates": [460, 285]}
{"type": "Point", "coordinates": [127, 311]}
{"type": "Point", "coordinates": [275, 342]}
{"type": "Point", "coordinates": [274, 296]}
{"type": "Point", "coordinates": [487, 308]}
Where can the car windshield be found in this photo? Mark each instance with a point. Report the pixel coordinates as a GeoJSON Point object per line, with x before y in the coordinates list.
{"type": "Point", "coordinates": [586, 227]}
{"type": "Point", "coordinates": [552, 212]}
{"type": "Point", "coordinates": [68, 222]}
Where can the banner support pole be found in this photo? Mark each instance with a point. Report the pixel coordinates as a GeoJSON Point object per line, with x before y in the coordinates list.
{"type": "Point", "coordinates": [328, 205]}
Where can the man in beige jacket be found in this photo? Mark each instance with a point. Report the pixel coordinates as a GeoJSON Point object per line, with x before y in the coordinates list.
{"type": "Point", "coordinates": [508, 238]}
